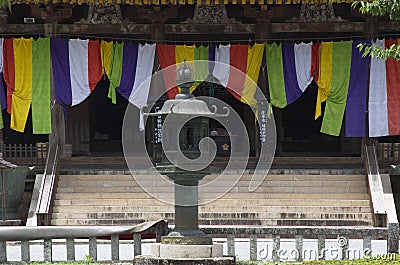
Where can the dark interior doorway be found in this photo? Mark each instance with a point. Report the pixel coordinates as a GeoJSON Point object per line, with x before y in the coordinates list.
{"type": "Point", "coordinates": [106, 121]}
{"type": "Point", "coordinates": [299, 132]}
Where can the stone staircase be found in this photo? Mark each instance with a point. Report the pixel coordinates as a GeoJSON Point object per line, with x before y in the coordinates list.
{"type": "Point", "coordinates": [332, 200]}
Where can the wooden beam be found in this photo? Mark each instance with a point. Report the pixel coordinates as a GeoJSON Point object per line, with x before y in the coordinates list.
{"type": "Point", "coordinates": [389, 26]}
{"type": "Point", "coordinates": [209, 29]}
{"type": "Point", "coordinates": [105, 29]}
{"type": "Point", "coordinates": [317, 27]}
{"type": "Point", "coordinates": [197, 29]}
{"type": "Point", "coordinates": [22, 29]}
{"type": "Point", "coordinates": [78, 29]}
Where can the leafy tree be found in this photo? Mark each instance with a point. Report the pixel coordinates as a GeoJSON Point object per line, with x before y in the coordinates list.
{"type": "Point", "coordinates": [5, 3]}
{"type": "Point", "coordinates": [380, 8]}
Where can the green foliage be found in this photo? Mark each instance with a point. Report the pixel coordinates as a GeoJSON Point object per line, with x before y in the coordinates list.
{"type": "Point", "coordinates": [392, 52]}
{"type": "Point", "coordinates": [88, 259]}
{"type": "Point", "coordinates": [4, 3]}
{"type": "Point", "coordinates": [380, 8]}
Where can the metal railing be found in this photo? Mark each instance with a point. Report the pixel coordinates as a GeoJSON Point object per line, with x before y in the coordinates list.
{"type": "Point", "coordinates": [26, 154]}
{"type": "Point", "coordinates": [48, 186]}
{"type": "Point", "coordinates": [342, 235]}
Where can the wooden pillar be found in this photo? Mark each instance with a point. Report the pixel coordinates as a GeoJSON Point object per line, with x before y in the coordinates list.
{"type": "Point", "coordinates": [157, 31]}
{"type": "Point", "coordinates": [263, 30]}
{"type": "Point", "coordinates": [3, 20]}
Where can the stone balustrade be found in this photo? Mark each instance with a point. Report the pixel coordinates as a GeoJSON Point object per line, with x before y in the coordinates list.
{"type": "Point", "coordinates": [230, 233]}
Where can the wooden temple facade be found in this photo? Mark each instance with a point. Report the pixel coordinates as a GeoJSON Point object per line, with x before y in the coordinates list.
{"type": "Point", "coordinates": [91, 126]}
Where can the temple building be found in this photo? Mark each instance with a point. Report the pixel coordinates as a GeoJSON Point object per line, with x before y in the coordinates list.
{"type": "Point", "coordinates": [71, 68]}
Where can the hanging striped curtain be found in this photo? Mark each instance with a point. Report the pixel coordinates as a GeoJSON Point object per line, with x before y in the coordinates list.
{"type": "Point", "coordinates": [131, 68]}
{"type": "Point", "coordinates": [384, 94]}
{"type": "Point", "coordinates": [288, 68]}
{"type": "Point", "coordinates": [27, 75]}
{"type": "Point", "coordinates": [357, 96]}
{"type": "Point", "coordinates": [238, 69]}
{"type": "Point", "coordinates": [338, 87]}
{"type": "Point", "coordinates": [76, 69]}
{"type": "Point", "coordinates": [171, 56]}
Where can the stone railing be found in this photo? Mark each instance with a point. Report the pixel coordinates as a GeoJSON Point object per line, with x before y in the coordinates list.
{"type": "Point", "coordinates": [26, 235]}
{"type": "Point", "coordinates": [342, 235]}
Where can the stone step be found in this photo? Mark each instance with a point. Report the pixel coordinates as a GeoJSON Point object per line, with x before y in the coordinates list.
{"type": "Point", "coordinates": [222, 201]}
{"type": "Point", "coordinates": [263, 189]}
{"type": "Point", "coordinates": [213, 215]}
{"type": "Point", "coordinates": [152, 178]}
{"type": "Point", "coordinates": [205, 197]}
{"type": "Point", "coordinates": [295, 199]}
{"type": "Point", "coordinates": [240, 184]}
{"type": "Point", "coordinates": [231, 195]}
{"type": "Point", "coordinates": [260, 222]}
{"type": "Point", "coordinates": [213, 208]}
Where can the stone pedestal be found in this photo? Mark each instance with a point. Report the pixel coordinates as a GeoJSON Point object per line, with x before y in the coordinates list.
{"type": "Point", "coordinates": [172, 254]}
{"type": "Point", "coordinates": [169, 251]}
